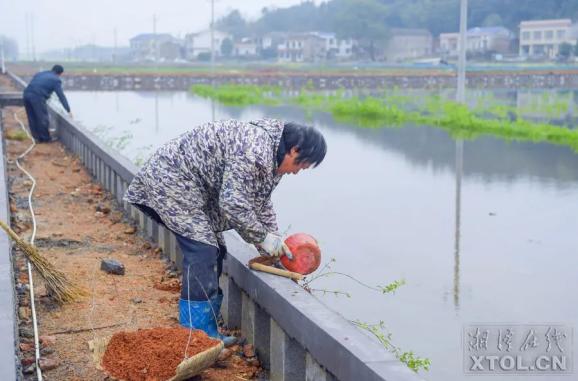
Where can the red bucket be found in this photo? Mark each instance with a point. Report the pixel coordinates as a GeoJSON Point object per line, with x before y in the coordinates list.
{"type": "Point", "coordinates": [306, 254]}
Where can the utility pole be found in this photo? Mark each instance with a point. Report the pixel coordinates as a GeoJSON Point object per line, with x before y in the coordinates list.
{"type": "Point", "coordinates": [156, 42]}
{"type": "Point", "coordinates": [212, 35]}
{"type": "Point", "coordinates": [27, 32]}
{"type": "Point", "coordinates": [93, 48]}
{"type": "Point", "coordinates": [115, 48]}
{"type": "Point", "coordinates": [32, 37]}
{"type": "Point", "coordinates": [461, 93]}
{"type": "Point", "coordinates": [459, 158]}
{"type": "Point", "coordinates": [2, 63]}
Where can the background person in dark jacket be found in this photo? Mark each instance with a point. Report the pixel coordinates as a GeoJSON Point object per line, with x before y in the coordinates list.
{"type": "Point", "coordinates": [36, 94]}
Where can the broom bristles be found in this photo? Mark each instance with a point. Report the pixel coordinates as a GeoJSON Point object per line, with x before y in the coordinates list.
{"type": "Point", "coordinates": [59, 287]}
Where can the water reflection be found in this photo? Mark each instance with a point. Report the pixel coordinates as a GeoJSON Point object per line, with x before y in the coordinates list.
{"type": "Point", "coordinates": [458, 211]}
{"type": "Point", "coordinates": [157, 124]}
{"type": "Point", "coordinates": [488, 158]}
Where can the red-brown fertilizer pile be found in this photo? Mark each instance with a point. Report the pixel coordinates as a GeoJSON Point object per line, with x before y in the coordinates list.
{"type": "Point", "coordinates": [151, 354]}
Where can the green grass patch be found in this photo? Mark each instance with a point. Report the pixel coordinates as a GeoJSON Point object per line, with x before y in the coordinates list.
{"type": "Point", "coordinates": [18, 135]}
{"type": "Point", "coordinates": [239, 95]}
{"type": "Point", "coordinates": [488, 117]}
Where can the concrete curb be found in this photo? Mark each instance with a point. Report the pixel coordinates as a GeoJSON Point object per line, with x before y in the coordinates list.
{"type": "Point", "coordinates": [9, 362]}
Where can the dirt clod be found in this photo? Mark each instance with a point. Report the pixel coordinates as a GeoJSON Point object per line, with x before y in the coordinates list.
{"type": "Point", "coordinates": [151, 354]}
{"type": "Point", "coordinates": [172, 285]}
{"type": "Point", "coordinates": [47, 340]}
{"type": "Point", "coordinates": [225, 354]}
{"type": "Point", "coordinates": [27, 361]}
{"type": "Point", "coordinates": [24, 313]}
{"type": "Point", "coordinates": [248, 350]}
{"type": "Point", "coordinates": [26, 347]}
{"type": "Point", "coordinates": [48, 363]}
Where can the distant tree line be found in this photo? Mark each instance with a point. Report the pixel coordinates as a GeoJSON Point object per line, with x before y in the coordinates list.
{"type": "Point", "coordinates": [369, 21]}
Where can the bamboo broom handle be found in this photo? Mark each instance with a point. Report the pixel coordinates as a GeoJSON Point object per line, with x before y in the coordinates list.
{"type": "Point", "coordinates": [12, 234]}
{"type": "Point", "coordinates": [275, 271]}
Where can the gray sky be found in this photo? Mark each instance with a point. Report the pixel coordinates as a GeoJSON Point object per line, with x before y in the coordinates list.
{"type": "Point", "coordinates": [66, 23]}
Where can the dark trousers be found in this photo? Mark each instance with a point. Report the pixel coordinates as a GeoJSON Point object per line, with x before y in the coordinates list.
{"type": "Point", "coordinates": [37, 114]}
{"type": "Point", "coordinates": [202, 264]}
{"type": "Point", "coordinates": [202, 267]}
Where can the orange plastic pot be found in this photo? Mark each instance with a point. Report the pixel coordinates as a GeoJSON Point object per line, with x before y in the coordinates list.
{"type": "Point", "coordinates": [306, 254]}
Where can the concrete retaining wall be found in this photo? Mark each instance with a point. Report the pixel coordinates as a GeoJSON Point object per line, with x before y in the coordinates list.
{"type": "Point", "coordinates": [295, 335]}
{"type": "Point", "coordinates": [447, 79]}
{"type": "Point", "coordinates": [9, 363]}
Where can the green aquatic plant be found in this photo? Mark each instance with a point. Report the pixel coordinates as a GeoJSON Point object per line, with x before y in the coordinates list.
{"type": "Point", "coordinates": [409, 358]}
{"type": "Point", "coordinates": [239, 95]}
{"type": "Point", "coordinates": [118, 142]}
{"type": "Point", "coordinates": [487, 117]}
{"type": "Point", "coordinates": [379, 330]}
{"type": "Point", "coordinates": [142, 155]}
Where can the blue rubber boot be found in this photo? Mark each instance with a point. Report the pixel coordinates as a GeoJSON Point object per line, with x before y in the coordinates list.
{"type": "Point", "coordinates": [216, 304]}
{"type": "Point", "coordinates": [199, 315]}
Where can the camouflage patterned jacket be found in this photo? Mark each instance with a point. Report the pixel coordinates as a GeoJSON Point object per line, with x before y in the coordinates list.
{"type": "Point", "coordinates": [217, 177]}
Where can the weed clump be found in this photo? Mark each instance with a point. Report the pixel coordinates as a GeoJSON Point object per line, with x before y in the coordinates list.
{"type": "Point", "coordinates": [488, 116]}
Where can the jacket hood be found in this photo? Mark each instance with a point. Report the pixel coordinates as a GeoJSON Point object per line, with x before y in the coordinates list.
{"type": "Point", "coordinates": [273, 127]}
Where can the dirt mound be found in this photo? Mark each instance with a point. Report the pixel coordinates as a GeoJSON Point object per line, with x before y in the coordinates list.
{"type": "Point", "coordinates": [151, 354]}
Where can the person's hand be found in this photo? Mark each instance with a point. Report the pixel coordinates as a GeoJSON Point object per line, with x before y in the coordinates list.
{"type": "Point", "coordinates": [274, 246]}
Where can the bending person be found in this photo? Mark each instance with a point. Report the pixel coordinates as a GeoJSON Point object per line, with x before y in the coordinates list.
{"type": "Point", "coordinates": [36, 94]}
{"type": "Point", "coordinates": [217, 177]}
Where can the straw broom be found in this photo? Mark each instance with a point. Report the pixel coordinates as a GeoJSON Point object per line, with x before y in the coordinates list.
{"type": "Point", "coordinates": [59, 287]}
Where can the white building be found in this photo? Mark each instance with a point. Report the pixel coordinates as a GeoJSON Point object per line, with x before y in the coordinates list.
{"type": "Point", "coordinates": [154, 47]}
{"type": "Point", "coordinates": [478, 40]}
{"type": "Point", "coordinates": [246, 48]}
{"type": "Point", "coordinates": [345, 49]}
{"type": "Point", "coordinates": [544, 37]}
{"type": "Point", "coordinates": [197, 43]}
{"type": "Point", "coordinates": [314, 47]}
{"type": "Point", "coordinates": [334, 47]}
{"type": "Point", "coordinates": [302, 47]}
{"type": "Point", "coordinates": [405, 44]}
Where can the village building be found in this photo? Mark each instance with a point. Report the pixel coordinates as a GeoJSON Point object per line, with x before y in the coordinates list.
{"type": "Point", "coordinates": [246, 48]}
{"type": "Point", "coordinates": [479, 40]}
{"type": "Point", "coordinates": [405, 44]}
{"type": "Point", "coordinates": [196, 44]}
{"type": "Point", "coordinates": [302, 47]}
{"type": "Point", "coordinates": [335, 48]}
{"type": "Point", "coordinates": [155, 47]}
{"type": "Point", "coordinates": [542, 38]}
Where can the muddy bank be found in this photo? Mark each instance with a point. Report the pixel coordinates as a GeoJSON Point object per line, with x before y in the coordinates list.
{"type": "Point", "coordinates": [78, 226]}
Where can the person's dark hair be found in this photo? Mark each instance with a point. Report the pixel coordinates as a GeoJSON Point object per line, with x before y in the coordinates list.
{"type": "Point", "coordinates": [308, 141]}
{"type": "Point", "coordinates": [57, 69]}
